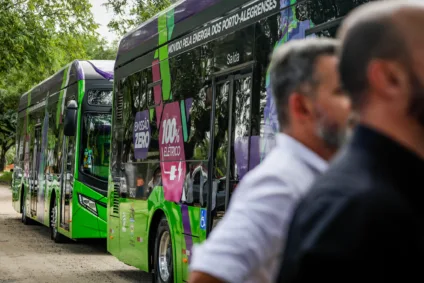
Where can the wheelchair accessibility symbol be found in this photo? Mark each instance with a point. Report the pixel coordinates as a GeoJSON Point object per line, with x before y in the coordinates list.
{"type": "Point", "coordinates": [203, 219]}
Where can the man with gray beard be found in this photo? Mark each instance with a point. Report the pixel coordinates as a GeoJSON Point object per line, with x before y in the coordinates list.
{"type": "Point", "coordinates": [363, 220]}
{"type": "Point", "coordinates": [312, 113]}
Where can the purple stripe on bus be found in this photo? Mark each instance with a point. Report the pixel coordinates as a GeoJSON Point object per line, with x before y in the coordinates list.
{"type": "Point", "coordinates": [188, 104]}
{"type": "Point", "coordinates": [241, 153]}
{"type": "Point", "coordinates": [191, 7]}
{"type": "Point", "coordinates": [147, 30]}
{"type": "Point", "coordinates": [80, 72]}
{"type": "Point", "coordinates": [107, 75]}
{"type": "Point", "coordinates": [187, 229]}
{"type": "Point", "coordinates": [255, 156]}
{"type": "Point", "coordinates": [189, 246]}
{"type": "Point", "coordinates": [247, 160]}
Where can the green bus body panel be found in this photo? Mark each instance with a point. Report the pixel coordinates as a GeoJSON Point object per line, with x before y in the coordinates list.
{"type": "Point", "coordinates": [128, 238]}
{"type": "Point", "coordinates": [84, 223]}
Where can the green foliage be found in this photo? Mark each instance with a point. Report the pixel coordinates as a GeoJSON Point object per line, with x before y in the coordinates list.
{"type": "Point", "coordinates": [7, 131]}
{"type": "Point", "coordinates": [6, 178]}
{"type": "Point", "coordinates": [38, 38]}
{"type": "Point", "coordinates": [10, 155]}
{"type": "Point", "coordinates": [130, 13]}
{"type": "Point", "coordinates": [99, 49]}
{"type": "Point", "coordinates": [31, 29]}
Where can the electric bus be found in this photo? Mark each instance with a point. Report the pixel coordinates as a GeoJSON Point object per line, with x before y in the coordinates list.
{"type": "Point", "coordinates": [193, 113]}
{"type": "Point", "coordinates": [63, 151]}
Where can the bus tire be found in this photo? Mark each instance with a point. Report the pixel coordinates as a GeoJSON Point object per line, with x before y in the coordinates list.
{"type": "Point", "coordinates": [163, 260]}
{"type": "Point", "coordinates": [54, 233]}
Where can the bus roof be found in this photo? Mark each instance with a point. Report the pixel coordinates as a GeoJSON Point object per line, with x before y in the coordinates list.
{"type": "Point", "coordinates": [182, 17]}
{"type": "Point", "coordinates": [68, 75]}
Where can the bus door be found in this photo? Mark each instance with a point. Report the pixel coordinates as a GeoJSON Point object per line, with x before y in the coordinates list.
{"type": "Point", "coordinates": [230, 154]}
{"type": "Point", "coordinates": [36, 157]}
{"type": "Point", "coordinates": [67, 181]}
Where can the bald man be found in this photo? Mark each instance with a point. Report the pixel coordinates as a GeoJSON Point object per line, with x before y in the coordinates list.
{"type": "Point", "coordinates": [363, 221]}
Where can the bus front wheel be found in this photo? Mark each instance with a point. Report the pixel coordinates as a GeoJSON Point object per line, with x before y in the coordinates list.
{"type": "Point", "coordinates": [164, 269]}
{"type": "Point", "coordinates": [54, 234]}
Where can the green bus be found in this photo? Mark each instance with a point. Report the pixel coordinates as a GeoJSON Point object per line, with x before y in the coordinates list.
{"type": "Point", "coordinates": [63, 151]}
{"type": "Point", "coordinates": [193, 113]}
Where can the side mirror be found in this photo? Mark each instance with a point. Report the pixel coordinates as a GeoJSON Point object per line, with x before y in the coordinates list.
{"type": "Point", "coordinates": [70, 124]}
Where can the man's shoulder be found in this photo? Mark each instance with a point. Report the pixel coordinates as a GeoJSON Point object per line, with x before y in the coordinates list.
{"type": "Point", "coordinates": [349, 173]}
{"type": "Point", "coordinates": [351, 180]}
{"type": "Point", "coordinates": [279, 167]}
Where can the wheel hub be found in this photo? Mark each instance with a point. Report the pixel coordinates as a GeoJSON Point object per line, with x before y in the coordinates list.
{"type": "Point", "coordinates": [165, 256]}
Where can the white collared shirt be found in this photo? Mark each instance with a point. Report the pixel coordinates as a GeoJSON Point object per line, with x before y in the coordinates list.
{"type": "Point", "coordinates": [247, 244]}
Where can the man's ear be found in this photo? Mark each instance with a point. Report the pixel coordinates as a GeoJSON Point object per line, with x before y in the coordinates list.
{"type": "Point", "coordinates": [300, 107]}
{"type": "Point", "coordinates": [388, 78]}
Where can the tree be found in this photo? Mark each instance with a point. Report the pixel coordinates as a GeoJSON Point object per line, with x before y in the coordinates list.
{"type": "Point", "coordinates": [14, 83]}
{"type": "Point", "coordinates": [7, 134]}
{"type": "Point", "coordinates": [28, 26]}
{"type": "Point", "coordinates": [38, 38]}
{"type": "Point", "coordinates": [130, 13]}
{"type": "Point", "coordinates": [100, 49]}
{"type": "Point", "coordinates": [10, 155]}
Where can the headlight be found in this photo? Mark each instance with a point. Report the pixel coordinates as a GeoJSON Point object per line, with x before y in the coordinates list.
{"type": "Point", "coordinates": [88, 204]}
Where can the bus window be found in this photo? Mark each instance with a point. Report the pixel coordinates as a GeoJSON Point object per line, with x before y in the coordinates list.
{"type": "Point", "coordinates": [241, 125]}
{"type": "Point", "coordinates": [231, 141]}
{"type": "Point", "coordinates": [99, 97]}
{"type": "Point", "coordinates": [96, 136]}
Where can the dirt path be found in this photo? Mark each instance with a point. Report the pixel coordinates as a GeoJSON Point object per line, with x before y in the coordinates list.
{"type": "Point", "coordinates": [27, 255]}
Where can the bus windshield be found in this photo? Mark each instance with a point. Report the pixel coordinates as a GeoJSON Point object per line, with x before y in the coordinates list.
{"type": "Point", "coordinates": [96, 143]}
{"type": "Point", "coordinates": [100, 97]}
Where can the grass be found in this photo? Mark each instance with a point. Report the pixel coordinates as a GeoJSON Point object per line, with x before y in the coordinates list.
{"type": "Point", "coordinates": [6, 178]}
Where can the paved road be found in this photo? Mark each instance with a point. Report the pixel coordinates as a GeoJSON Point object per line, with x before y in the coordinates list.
{"type": "Point", "coordinates": [27, 255]}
